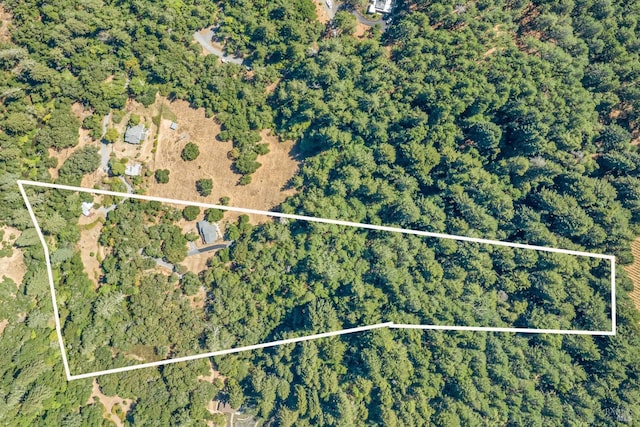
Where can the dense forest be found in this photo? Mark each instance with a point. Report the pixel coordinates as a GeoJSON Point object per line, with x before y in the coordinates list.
{"type": "Point", "coordinates": [504, 119]}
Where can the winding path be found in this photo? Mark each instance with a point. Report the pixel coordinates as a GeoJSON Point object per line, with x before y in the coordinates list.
{"type": "Point", "coordinates": [205, 41]}
{"type": "Point", "coordinates": [368, 22]}
{"type": "Point", "coordinates": [193, 250]}
{"type": "Point", "coordinates": [104, 149]}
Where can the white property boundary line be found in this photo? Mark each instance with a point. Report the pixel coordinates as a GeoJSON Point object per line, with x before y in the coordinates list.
{"type": "Point", "coordinates": [22, 183]}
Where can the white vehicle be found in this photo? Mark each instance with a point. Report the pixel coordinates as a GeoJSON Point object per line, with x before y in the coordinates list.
{"type": "Point", "coordinates": [329, 3]}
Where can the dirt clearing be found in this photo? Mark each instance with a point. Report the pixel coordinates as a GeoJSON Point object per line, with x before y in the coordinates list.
{"type": "Point", "coordinates": [5, 25]}
{"type": "Point", "coordinates": [109, 402]}
{"type": "Point", "coordinates": [88, 245]}
{"type": "Point", "coordinates": [321, 11]}
{"type": "Point", "coordinates": [197, 263]}
{"type": "Point", "coordinates": [3, 324]}
{"type": "Point", "coordinates": [361, 30]}
{"type": "Point", "coordinates": [13, 266]}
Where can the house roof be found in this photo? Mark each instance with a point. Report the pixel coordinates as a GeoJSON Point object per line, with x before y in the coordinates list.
{"type": "Point", "coordinates": [133, 170]}
{"type": "Point", "coordinates": [86, 208]}
{"type": "Point", "coordinates": [135, 134]}
{"type": "Point", "coordinates": [382, 6]}
{"type": "Point", "coordinates": [207, 231]}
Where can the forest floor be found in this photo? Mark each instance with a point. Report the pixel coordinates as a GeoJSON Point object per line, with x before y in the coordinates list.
{"type": "Point", "coordinates": [633, 271]}
{"type": "Point", "coordinates": [264, 192]}
{"type": "Point", "coordinates": [109, 402]}
{"type": "Point", "coordinates": [13, 266]}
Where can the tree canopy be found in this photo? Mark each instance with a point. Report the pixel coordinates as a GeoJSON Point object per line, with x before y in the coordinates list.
{"type": "Point", "coordinates": [506, 120]}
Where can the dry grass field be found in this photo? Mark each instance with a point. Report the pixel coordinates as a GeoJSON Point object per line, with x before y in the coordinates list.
{"type": "Point", "coordinates": [633, 271]}
{"type": "Point", "coordinates": [266, 189]}
{"type": "Point", "coordinates": [88, 244]}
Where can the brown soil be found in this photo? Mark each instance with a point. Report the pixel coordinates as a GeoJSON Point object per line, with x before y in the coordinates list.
{"type": "Point", "coordinates": [109, 402]}
{"type": "Point", "coordinates": [266, 189]}
{"type": "Point", "coordinates": [321, 11]}
{"type": "Point", "coordinates": [273, 86]}
{"type": "Point", "coordinates": [13, 266]}
{"type": "Point", "coordinates": [88, 244]}
{"type": "Point", "coordinates": [361, 30]}
{"type": "Point", "coordinates": [3, 324]}
{"type": "Point", "coordinates": [633, 271]}
{"type": "Point", "coordinates": [5, 25]}
{"type": "Point", "coordinates": [197, 263]}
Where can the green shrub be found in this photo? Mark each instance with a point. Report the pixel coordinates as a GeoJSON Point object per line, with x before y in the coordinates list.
{"type": "Point", "coordinates": [162, 176]}
{"type": "Point", "coordinates": [190, 213]}
{"type": "Point", "coordinates": [190, 152]}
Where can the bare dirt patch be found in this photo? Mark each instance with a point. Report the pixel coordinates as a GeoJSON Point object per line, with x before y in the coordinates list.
{"type": "Point", "coordinates": [273, 86]}
{"type": "Point", "coordinates": [3, 324]}
{"type": "Point", "coordinates": [266, 189]}
{"type": "Point", "coordinates": [109, 402]}
{"type": "Point", "coordinates": [321, 11]}
{"type": "Point", "coordinates": [12, 267]}
{"type": "Point", "coordinates": [633, 271]}
{"type": "Point", "coordinates": [361, 30]}
{"type": "Point", "coordinates": [197, 263]}
{"type": "Point", "coordinates": [88, 245]}
{"type": "Point", "coordinates": [5, 25]}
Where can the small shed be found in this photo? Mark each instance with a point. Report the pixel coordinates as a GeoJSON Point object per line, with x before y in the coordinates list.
{"type": "Point", "coordinates": [86, 208]}
{"type": "Point", "coordinates": [207, 231]}
{"type": "Point", "coordinates": [133, 170]}
{"type": "Point", "coordinates": [173, 126]}
{"type": "Point", "coordinates": [135, 134]}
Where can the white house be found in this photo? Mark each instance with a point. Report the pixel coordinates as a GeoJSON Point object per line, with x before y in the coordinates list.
{"type": "Point", "coordinates": [86, 208]}
{"type": "Point", "coordinates": [133, 170]}
{"type": "Point", "coordinates": [380, 6]}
